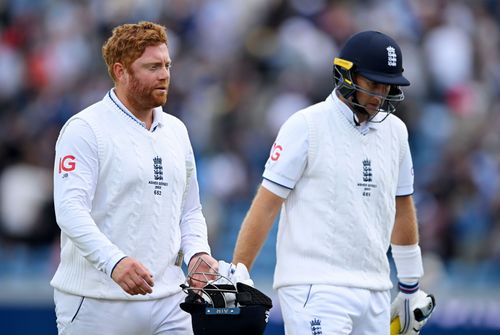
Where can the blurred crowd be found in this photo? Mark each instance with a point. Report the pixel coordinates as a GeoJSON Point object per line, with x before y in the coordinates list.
{"type": "Point", "coordinates": [240, 69]}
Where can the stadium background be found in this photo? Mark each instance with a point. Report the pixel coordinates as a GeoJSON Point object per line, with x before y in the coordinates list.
{"type": "Point", "coordinates": [240, 69]}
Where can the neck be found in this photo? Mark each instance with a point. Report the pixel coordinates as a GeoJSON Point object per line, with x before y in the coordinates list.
{"type": "Point", "coordinates": [144, 115]}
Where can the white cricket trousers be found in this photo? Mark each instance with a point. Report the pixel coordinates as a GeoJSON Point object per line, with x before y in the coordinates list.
{"type": "Point", "coordinates": [334, 310]}
{"type": "Point", "coordinates": [78, 315]}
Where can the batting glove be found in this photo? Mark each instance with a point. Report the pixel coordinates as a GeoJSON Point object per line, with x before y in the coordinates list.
{"type": "Point", "coordinates": [235, 273]}
{"type": "Point", "coordinates": [232, 274]}
{"type": "Point", "coordinates": [414, 307]}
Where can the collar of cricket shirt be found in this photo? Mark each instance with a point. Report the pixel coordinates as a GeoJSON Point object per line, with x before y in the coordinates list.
{"type": "Point", "coordinates": [157, 117]}
{"type": "Point", "coordinates": [349, 115]}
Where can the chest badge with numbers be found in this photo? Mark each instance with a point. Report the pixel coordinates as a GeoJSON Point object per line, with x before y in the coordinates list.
{"type": "Point", "coordinates": [158, 181]}
{"type": "Point", "coordinates": [367, 185]}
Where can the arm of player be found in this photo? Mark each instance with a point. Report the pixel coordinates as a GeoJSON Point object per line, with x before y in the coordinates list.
{"type": "Point", "coordinates": [405, 231]}
{"type": "Point", "coordinates": [256, 226]}
{"type": "Point", "coordinates": [75, 179]}
{"type": "Point", "coordinates": [194, 237]}
{"type": "Point", "coordinates": [412, 306]}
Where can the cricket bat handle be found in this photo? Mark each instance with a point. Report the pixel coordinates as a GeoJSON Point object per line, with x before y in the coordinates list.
{"type": "Point", "coordinates": [395, 326]}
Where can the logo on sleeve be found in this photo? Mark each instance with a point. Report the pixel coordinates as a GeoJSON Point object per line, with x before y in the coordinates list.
{"type": "Point", "coordinates": [67, 164]}
{"type": "Point", "coordinates": [276, 152]}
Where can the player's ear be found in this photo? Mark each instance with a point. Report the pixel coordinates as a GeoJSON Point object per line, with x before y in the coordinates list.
{"type": "Point", "coordinates": [119, 71]}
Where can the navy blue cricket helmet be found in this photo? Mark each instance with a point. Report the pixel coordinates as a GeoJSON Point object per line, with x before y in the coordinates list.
{"type": "Point", "coordinates": [212, 314]}
{"type": "Point", "coordinates": [376, 57]}
{"type": "Point", "coordinates": [218, 306]}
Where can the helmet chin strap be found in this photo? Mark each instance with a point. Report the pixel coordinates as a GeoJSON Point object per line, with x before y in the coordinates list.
{"type": "Point", "coordinates": [358, 108]}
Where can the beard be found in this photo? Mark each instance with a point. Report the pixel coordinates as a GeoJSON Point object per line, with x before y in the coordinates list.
{"type": "Point", "coordinates": [146, 96]}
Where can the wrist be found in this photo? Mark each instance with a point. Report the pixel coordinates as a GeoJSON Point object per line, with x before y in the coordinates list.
{"type": "Point", "coordinates": [408, 261]}
{"type": "Point", "coordinates": [191, 253]}
{"type": "Point", "coordinates": [198, 254]}
{"type": "Point", "coordinates": [195, 257]}
{"type": "Point", "coordinates": [113, 262]}
{"type": "Point", "coordinates": [408, 288]}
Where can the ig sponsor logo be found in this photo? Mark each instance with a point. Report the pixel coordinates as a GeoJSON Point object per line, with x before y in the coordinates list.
{"type": "Point", "coordinates": [276, 153]}
{"type": "Point", "coordinates": [67, 164]}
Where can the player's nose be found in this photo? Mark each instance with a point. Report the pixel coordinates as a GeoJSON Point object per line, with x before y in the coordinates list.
{"type": "Point", "coordinates": [164, 73]}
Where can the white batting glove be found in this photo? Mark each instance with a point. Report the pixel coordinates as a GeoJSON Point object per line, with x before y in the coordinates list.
{"type": "Point", "coordinates": [414, 307]}
{"type": "Point", "coordinates": [235, 273]}
{"type": "Point", "coordinates": [232, 274]}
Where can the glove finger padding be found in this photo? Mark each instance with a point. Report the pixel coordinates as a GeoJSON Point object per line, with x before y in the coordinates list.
{"type": "Point", "coordinates": [413, 310]}
{"type": "Point", "coordinates": [241, 275]}
{"type": "Point", "coordinates": [235, 273]}
{"type": "Point", "coordinates": [232, 274]}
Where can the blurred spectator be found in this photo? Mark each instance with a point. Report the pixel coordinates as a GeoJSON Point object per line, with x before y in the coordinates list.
{"type": "Point", "coordinates": [26, 205]}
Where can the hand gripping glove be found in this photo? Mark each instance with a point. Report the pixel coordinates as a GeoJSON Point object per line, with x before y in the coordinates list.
{"type": "Point", "coordinates": [413, 309]}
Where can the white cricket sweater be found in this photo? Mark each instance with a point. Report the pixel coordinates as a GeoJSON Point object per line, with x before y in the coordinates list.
{"type": "Point", "coordinates": [138, 205]}
{"type": "Point", "coordinates": [335, 225]}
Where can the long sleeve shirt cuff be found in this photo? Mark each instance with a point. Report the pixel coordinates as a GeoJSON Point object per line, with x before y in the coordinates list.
{"type": "Point", "coordinates": [113, 260]}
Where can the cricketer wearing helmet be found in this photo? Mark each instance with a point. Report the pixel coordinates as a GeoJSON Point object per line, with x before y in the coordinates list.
{"type": "Point", "coordinates": [341, 173]}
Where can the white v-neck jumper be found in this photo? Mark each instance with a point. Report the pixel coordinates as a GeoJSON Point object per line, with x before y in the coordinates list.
{"type": "Point", "coordinates": [130, 192]}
